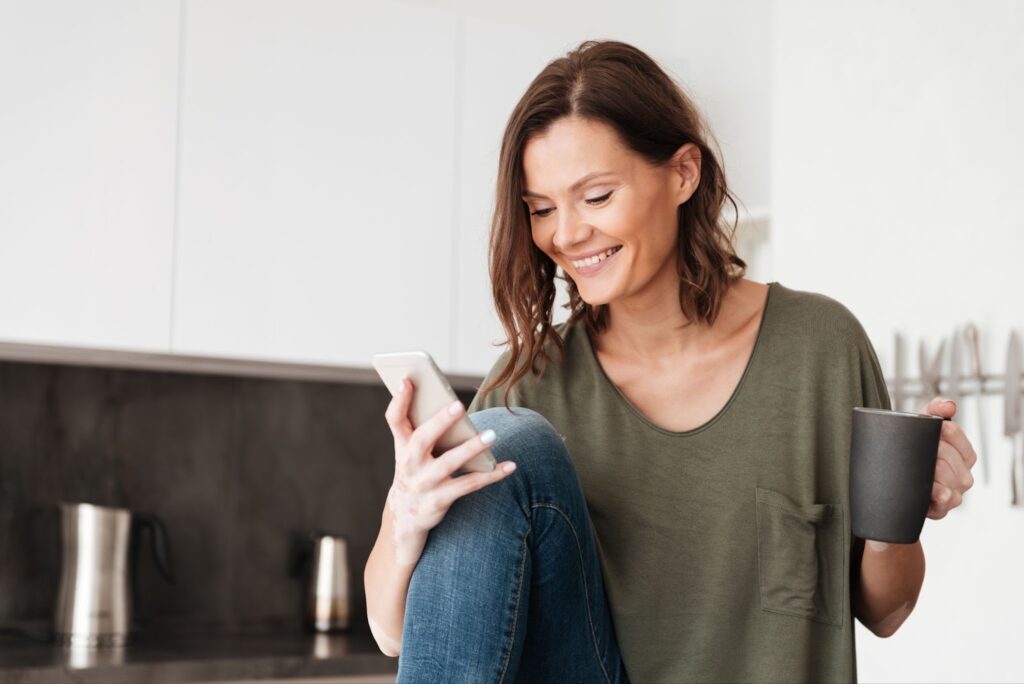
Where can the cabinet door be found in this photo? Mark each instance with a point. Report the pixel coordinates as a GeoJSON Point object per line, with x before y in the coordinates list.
{"type": "Point", "coordinates": [88, 102]}
{"type": "Point", "coordinates": [316, 181]}
{"type": "Point", "coordinates": [499, 62]}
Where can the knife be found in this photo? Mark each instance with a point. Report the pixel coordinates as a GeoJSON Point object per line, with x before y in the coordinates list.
{"type": "Point", "coordinates": [1011, 413]}
{"type": "Point", "coordinates": [897, 375]}
{"type": "Point", "coordinates": [953, 391]}
{"type": "Point", "coordinates": [971, 333]}
{"type": "Point", "coordinates": [930, 372]}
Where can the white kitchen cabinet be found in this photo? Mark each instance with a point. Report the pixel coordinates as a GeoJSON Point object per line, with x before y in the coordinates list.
{"type": "Point", "coordinates": [316, 200]}
{"type": "Point", "coordinates": [88, 99]}
{"type": "Point", "coordinates": [296, 181]}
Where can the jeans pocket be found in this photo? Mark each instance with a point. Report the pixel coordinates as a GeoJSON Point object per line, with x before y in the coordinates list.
{"type": "Point", "coordinates": [800, 557]}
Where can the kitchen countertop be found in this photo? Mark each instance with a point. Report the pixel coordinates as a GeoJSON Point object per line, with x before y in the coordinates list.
{"type": "Point", "coordinates": [214, 365]}
{"type": "Point", "coordinates": [207, 658]}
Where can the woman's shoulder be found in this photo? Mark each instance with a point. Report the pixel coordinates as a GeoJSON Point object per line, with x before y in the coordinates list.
{"type": "Point", "coordinates": [529, 387]}
{"type": "Point", "coordinates": [815, 316]}
{"type": "Point", "coordinates": [828, 334]}
{"type": "Point", "coordinates": [814, 330]}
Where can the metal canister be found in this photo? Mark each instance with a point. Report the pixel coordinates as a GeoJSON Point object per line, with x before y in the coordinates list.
{"type": "Point", "coordinates": [94, 607]}
{"type": "Point", "coordinates": [329, 584]}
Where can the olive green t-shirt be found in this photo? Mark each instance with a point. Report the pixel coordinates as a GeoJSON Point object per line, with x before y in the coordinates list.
{"type": "Point", "coordinates": [726, 549]}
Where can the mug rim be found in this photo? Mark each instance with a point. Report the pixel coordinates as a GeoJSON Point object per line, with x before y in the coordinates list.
{"type": "Point", "coordinates": [890, 412]}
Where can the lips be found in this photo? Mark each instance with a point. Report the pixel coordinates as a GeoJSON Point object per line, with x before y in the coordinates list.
{"type": "Point", "coordinates": [595, 262]}
{"type": "Point", "coordinates": [581, 257]}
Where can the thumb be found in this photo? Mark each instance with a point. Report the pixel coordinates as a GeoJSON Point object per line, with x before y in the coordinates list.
{"type": "Point", "coordinates": [940, 406]}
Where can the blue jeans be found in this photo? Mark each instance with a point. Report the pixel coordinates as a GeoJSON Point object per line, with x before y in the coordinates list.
{"type": "Point", "coordinates": [509, 585]}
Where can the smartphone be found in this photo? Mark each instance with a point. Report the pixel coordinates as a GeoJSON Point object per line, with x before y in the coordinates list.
{"type": "Point", "coordinates": [431, 393]}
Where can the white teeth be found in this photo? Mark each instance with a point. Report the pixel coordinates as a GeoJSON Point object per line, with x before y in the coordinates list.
{"type": "Point", "coordinates": [590, 261]}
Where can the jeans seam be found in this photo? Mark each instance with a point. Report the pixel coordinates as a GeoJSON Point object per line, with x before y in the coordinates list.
{"type": "Point", "coordinates": [586, 588]}
{"type": "Point", "coordinates": [515, 611]}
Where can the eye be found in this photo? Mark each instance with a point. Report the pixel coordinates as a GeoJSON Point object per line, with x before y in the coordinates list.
{"type": "Point", "coordinates": [599, 200]}
{"type": "Point", "coordinates": [539, 213]}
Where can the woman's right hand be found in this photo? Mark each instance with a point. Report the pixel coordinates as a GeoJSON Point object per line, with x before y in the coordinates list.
{"type": "Point", "coordinates": [423, 489]}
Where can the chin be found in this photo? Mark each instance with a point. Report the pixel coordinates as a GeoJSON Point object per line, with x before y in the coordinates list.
{"type": "Point", "coordinates": [597, 296]}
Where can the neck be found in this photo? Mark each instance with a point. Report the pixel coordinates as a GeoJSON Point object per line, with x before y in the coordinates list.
{"type": "Point", "coordinates": [649, 326]}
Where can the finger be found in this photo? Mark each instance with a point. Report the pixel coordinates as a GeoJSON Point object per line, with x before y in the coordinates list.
{"type": "Point", "coordinates": [397, 413]}
{"type": "Point", "coordinates": [940, 406]}
{"type": "Point", "coordinates": [945, 476]}
{"type": "Point", "coordinates": [467, 484]}
{"type": "Point", "coordinates": [962, 478]}
{"type": "Point", "coordinates": [943, 500]}
{"type": "Point", "coordinates": [951, 493]}
{"type": "Point", "coordinates": [424, 437]}
{"type": "Point", "coordinates": [954, 435]}
{"type": "Point", "coordinates": [937, 509]}
{"type": "Point", "coordinates": [456, 457]}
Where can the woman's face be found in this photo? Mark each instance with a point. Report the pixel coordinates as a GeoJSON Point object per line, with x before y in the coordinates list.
{"type": "Point", "coordinates": [602, 212]}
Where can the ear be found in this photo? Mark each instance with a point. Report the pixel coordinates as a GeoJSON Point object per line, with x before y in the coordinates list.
{"type": "Point", "coordinates": [685, 175]}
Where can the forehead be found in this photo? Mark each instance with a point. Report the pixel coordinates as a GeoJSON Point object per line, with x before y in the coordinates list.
{"type": "Point", "coordinates": [569, 149]}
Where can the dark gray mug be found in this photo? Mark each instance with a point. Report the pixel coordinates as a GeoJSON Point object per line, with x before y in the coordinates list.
{"type": "Point", "coordinates": [892, 467]}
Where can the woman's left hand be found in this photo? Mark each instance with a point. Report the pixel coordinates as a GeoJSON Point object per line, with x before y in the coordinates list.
{"type": "Point", "coordinates": [956, 458]}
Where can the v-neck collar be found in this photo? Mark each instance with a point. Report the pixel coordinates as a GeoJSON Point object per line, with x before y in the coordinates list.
{"type": "Point", "coordinates": [758, 343]}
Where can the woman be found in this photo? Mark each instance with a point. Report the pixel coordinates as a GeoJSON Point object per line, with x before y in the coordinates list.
{"type": "Point", "coordinates": [678, 512]}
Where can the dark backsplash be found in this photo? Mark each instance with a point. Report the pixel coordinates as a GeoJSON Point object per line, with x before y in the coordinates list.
{"type": "Point", "coordinates": [234, 467]}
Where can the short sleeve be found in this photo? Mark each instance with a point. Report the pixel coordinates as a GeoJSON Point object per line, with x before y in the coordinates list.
{"type": "Point", "coordinates": [875, 392]}
{"type": "Point", "coordinates": [495, 396]}
{"type": "Point", "coordinates": [522, 392]}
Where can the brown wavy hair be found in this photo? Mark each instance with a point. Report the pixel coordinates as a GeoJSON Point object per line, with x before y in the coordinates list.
{"type": "Point", "coordinates": [618, 84]}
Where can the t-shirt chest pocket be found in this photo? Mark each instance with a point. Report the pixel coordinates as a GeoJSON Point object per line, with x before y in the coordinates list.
{"type": "Point", "coordinates": [800, 557]}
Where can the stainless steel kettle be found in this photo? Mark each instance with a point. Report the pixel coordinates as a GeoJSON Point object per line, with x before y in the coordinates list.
{"type": "Point", "coordinates": [323, 560]}
{"type": "Point", "coordinates": [94, 601]}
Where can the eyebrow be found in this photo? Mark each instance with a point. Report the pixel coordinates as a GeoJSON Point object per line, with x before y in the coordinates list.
{"type": "Point", "coordinates": [574, 186]}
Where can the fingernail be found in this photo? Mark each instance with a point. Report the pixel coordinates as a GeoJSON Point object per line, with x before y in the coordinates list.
{"type": "Point", "coordinates": [508, 467]}
{"type": "Point", "coordinates": [488, 436]}
{"type": "Point", "coordinates": [401, 387]}
{"type": "Point", "coordinates": [456, 408]}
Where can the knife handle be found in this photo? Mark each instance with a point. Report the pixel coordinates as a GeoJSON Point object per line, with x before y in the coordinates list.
{"type": "Point", "coordinates": [971, 333]}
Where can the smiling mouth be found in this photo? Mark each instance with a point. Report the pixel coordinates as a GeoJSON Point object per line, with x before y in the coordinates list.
{"type": "Point", "coordinates": [596, 259]}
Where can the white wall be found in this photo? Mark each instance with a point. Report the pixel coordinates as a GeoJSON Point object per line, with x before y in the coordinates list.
{"type": "Point", "coordinates": [719, 52]}
{"type": "Point", "coordinates": [896, 186]}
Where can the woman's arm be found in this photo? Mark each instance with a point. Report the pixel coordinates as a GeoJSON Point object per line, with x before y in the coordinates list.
{"type": "Point", "coordinates": [889, 576]}
{"type": "Point", "coordinates": [421, 494]}
{"type": "Point", "coordinates": [387, 584]}
{"type": "Point", "coordinates": [887, 584]}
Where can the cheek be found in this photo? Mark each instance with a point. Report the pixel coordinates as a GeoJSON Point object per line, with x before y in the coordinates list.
{"type": "Point", "coordinates": [663, 230]}
{"type": "Point", "coordinates": [653, 241]}
{"type": "Point", "coordinates": [622, 224]}
{"type": "Point", "coordinates": [542, 240]}
{"type": "Point", "coordinates": [648, 231]}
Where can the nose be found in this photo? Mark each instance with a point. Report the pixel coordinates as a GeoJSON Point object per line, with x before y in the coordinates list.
{"type": "Point", "coordinates": [570, 231]}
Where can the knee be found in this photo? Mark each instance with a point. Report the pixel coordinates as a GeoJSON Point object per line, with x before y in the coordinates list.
{"type": "Point", "coordinates": [525, 437]}
{"type": "Point", "coordinates": [523, 427]}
